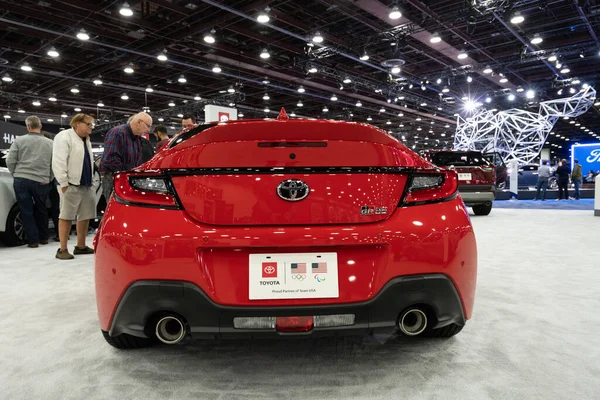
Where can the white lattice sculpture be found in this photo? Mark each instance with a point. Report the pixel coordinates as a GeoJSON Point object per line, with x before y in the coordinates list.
{"type": "Point", "coordinates": [518, 134]}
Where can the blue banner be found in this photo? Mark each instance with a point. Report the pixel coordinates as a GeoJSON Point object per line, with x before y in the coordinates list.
{"type": "Point", "coordinates": [588, 156]}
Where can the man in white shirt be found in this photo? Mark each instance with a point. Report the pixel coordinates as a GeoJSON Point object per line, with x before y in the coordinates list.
{"type": "Point", "coordinates": [73, 168]}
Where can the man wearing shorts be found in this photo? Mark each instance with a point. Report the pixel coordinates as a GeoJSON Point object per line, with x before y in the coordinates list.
{"type": "Point", "coordinates": [72, 164]}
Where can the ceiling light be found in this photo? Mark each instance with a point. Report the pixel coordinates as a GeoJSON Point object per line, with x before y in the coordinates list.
{"type": "Point", "coordinates": [435, 38]}
{"type": "Point", "coordinates": [128, 69]}
{"type": "Point", "coordinates": [530, 94]}
{"type": "Point", "coordinates": [388, 122]}
{"type": "Point", "coordinates": [537, 39]}
{"type": "Point", "coordinates": [36, 103]}
{"type": "Point", "coordinates": [334, 98]}
{"type": "Point", "coordinates": [264, 54]}
{"type": "Point", "coordinates": [50, 120]}
{"type": "Point", "coordinates": [21, 111]}
{"type": "Point", "coordinates": [172, 104]}
{"type": "Point", "coordinates": [503, 80]}
{"type": "Point", "coordinates": [53, 53]}
{"type": "Point", "coordinates": [572, 122]}
{"type": "Point", "coordinates": [572, 90]}
{"type": "Point", "coordinates": [301, 89]}
{"type": "Point", "coordinates": [293, 114]}
{"type": "Point", "coordinates": [364, 56]}
{"type": "Point", "coordinates": [7, 78]}
{"type": "Point", "coordinates": [565, 70]}
{"type": "Point", "coordinates": [180, 115]}
{"type": "Point", "coordinates": [445, 89]}
{"type": "Point", "coordinates": [396, 70]}
{"type": "Point", "coordinates": [162, 57]}
{"type": "Point", "coordinates": [161, 119]}
{"type": "Point", "coordinates": [317, 38]}
{"type": "Point", "coordinates": [517, 18]}
{"type": "Point", "coordinates": [299, 104]}
{"type": "Point", "coordinates": [395, 13]}
{"type": "Point", "coordinates": [26, 67]}
{"type": "Point", "coordinates": [382, 110]}
{"type": "Point", "coordinates": [240, 115]}
{"type": "Point", "coordinates": [369, 118]}
{"type": "Point", "coordinates": [100, 104]}
{"type": "Point", "coordinates": [423, 104]}
{"type": "Point", "coordinates": [125, 10]}
{"type": "Point", "coordinates": [77, 109]}
{"type": "Point", "coordinates": [487, 70]}
{"type": "Point", "coordinates": [64, 115]}
{"type": "Point", "coordinates": [7, 116]}
{"type": "Point", "coordinates": [266, 110]}
{"type": "Point", "coordinates": [325, 109]}
{"type": "Point", "coordinates": [216, 69]}
{"type": "Point", "coordinates": [439, 80]}
{"type": "Point", "coordinates": [520, 89]}
{"type": "Point", "coordinates": [209, 38]}
{"type": "Point", "coordinates": [75, 90]}
{"type": "Point", "coordinates": [558, 65]}
{"type": "Point", "coordinates": [462, 55]}
{"type": "Point", "coordinates": [124, 96]}
{"type": "Point", "coordinates": [469, 79]}
{"type": "Point", "coordinates": [83, 35]}
{"type": "Point", "coordinates": [263, 17]}
{"type": "Point", "coordinates": [231, 89]}
{"type": "Point", "coordinates": [576, 82]}
{"type": "Point", "coordinates": [52, 98]}
{"type": "Point", "coordinates": [347, 80]}
{"type": "Point", "coordinates": [313, 70]}
{"type": "Point", "coordinates": [358, 104]}
{"type": "Point", "coordinates": [97, 81]}
{"type": "Point", "coordinates": [197, 97]}
{"type": "Point", "coordinates": [266, 96]}
{"type": "Point", "coordinates": [552, 58]}
{"type": "Point", "coordinates": [182, 79]}
{"type": "Point", "coordinates": [488, 99]}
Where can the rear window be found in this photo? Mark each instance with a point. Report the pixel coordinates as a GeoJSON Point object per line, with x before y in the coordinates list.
{"type": "Point", "coordinates": [458, 159]}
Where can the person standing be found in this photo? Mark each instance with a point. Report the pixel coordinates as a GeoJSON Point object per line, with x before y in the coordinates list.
{"type": "Point", "coordinates": [73, 167]}
{"type": "Point", "coordinates": [563, 172]}
{"type": "Point", "coordinates": [30, 162]}
{"type": "Point", "coordinates": [123, 149]}
{"type": "Point", "coordinates": [542, 182]}
{"type": "Point", "coordinates": [161, 136]}
{"type": "Point", "coordinates": [577, 177]}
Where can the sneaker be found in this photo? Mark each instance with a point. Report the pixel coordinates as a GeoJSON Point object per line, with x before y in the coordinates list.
{"type": "Point", "coordinates": [33, 245]}
{"type": "Point", "coordinates": [84, 250]}
{"type": "Point", "coordinates": [64, 255]}
{"type": "Point", "coordinates": [43, 242]}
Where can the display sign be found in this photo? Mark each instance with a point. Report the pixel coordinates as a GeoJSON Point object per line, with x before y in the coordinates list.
{"type": "Point", "coordinates": [8, 133]}
{"type": "Point", "coordinates": [214, 113]}
{"type": "Point", "coordinates": [588, 156]}
{"type": "Point", "coordinates": [293, 276]}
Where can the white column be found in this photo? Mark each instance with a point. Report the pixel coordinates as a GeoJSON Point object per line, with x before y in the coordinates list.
{"type": "Point", "coordinates": [514, 179]}
{"type": "Point", "coordinates": [597, 196]}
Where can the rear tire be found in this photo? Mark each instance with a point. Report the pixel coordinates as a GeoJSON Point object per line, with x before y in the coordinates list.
{"type": "Point", "coordinates": [125, 341]}
{"type": "Point", "coordinates": [444, 332]}
{"type": "Point", "coordinates": [482, 209]}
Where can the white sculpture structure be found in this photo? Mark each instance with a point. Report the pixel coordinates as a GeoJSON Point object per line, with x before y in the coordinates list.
{"type": "Point", "coordinates": [518, 134]}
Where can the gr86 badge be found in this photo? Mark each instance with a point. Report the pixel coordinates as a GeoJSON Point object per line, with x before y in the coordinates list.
{"type": "Point", "coordinates": [371, 210]}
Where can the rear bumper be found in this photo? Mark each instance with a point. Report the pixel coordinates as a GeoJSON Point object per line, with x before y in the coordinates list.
{"type": "Point", "coordinates": [206, 319]}
{"type": "Point", "coordinates": [477, 194]}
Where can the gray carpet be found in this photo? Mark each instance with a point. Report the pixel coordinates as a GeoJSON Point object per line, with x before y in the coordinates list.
{"type": "Point", "coordinates": [534, 334]}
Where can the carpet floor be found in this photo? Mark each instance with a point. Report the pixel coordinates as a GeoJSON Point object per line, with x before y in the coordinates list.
{"type": "Point", "coordinates": [533, 335]}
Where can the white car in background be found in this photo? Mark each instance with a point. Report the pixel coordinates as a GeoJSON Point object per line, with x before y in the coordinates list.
{"type": "Point", "coordinates": [12, 231]}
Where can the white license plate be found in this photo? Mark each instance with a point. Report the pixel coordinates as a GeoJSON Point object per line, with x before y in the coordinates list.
{"type": "Point", "coordinates": [293, 276]}
{"type": "Point", "coordinates": [464, 177]}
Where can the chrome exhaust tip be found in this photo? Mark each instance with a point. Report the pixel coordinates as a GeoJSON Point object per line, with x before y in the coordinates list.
{"type": "Point", "coordinates": [412, 322]}
{"type": "Point", "coordinates": [170, 329]}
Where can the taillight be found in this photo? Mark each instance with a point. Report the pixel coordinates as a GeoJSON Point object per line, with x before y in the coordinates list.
{"type": "Point", "coordinates": [430, 187]}
{"type": "Point", "coordinates": [145, 189]}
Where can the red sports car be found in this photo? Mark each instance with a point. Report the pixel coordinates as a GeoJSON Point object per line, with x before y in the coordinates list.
{"type": "Point", "coordinates": [273, 228]}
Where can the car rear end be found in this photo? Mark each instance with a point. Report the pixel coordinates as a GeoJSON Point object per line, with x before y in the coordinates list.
{"type": "Point", "coordinates": [476, 177]}
{"type": "Point", "coordinates": [284, 227]}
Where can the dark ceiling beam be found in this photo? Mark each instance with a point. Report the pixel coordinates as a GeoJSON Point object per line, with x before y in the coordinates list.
{"type": "Point", "coordinates": [264, 39]}
{"type": "Point", "coordinates": [381, 11]}
{"type": "Point", "coordinates": [587, 22]}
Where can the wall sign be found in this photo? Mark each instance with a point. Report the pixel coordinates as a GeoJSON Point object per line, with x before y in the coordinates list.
{"type": "Point", "coordinates": [588, 156]}
{"type": "Point", "coordinates": [214, 113]}
{"type": "Point", "coordinates": [8, 133]}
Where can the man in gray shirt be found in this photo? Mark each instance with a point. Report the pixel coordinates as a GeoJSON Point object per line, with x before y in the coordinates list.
{"type": "Point", "coordinates": [542, 182]}
{"type": "Point", "coordinates": [30, 162]}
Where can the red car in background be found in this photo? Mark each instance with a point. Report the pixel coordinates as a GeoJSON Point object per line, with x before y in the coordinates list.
{"type": "Point", "coordinates": [273, 228]}
{"type": "Point", "coordinates": [476, 176]}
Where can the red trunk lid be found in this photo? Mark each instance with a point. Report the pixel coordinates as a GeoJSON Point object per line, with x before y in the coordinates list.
{"type": "Point", "coordinates": [229, 174]}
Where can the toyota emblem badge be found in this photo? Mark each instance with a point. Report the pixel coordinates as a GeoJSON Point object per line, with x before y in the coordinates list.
{"type": "Point", "coordinates": [293, 190]}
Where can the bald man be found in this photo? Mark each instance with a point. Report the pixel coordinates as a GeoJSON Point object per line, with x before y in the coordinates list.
{"type": "Point", "coordinates": [123, 149]}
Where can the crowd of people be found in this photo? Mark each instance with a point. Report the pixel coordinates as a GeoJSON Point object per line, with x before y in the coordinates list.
{"type": "Point", "coordinates": [61, 170]}
{"type": "Point", "coordinates": [564, 176]}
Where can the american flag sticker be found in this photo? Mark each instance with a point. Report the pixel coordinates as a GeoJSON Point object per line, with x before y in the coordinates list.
{"type": "Point", "coordinates": [298, 268]}
{"type": "Point", "coordinates": [319, 268]}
